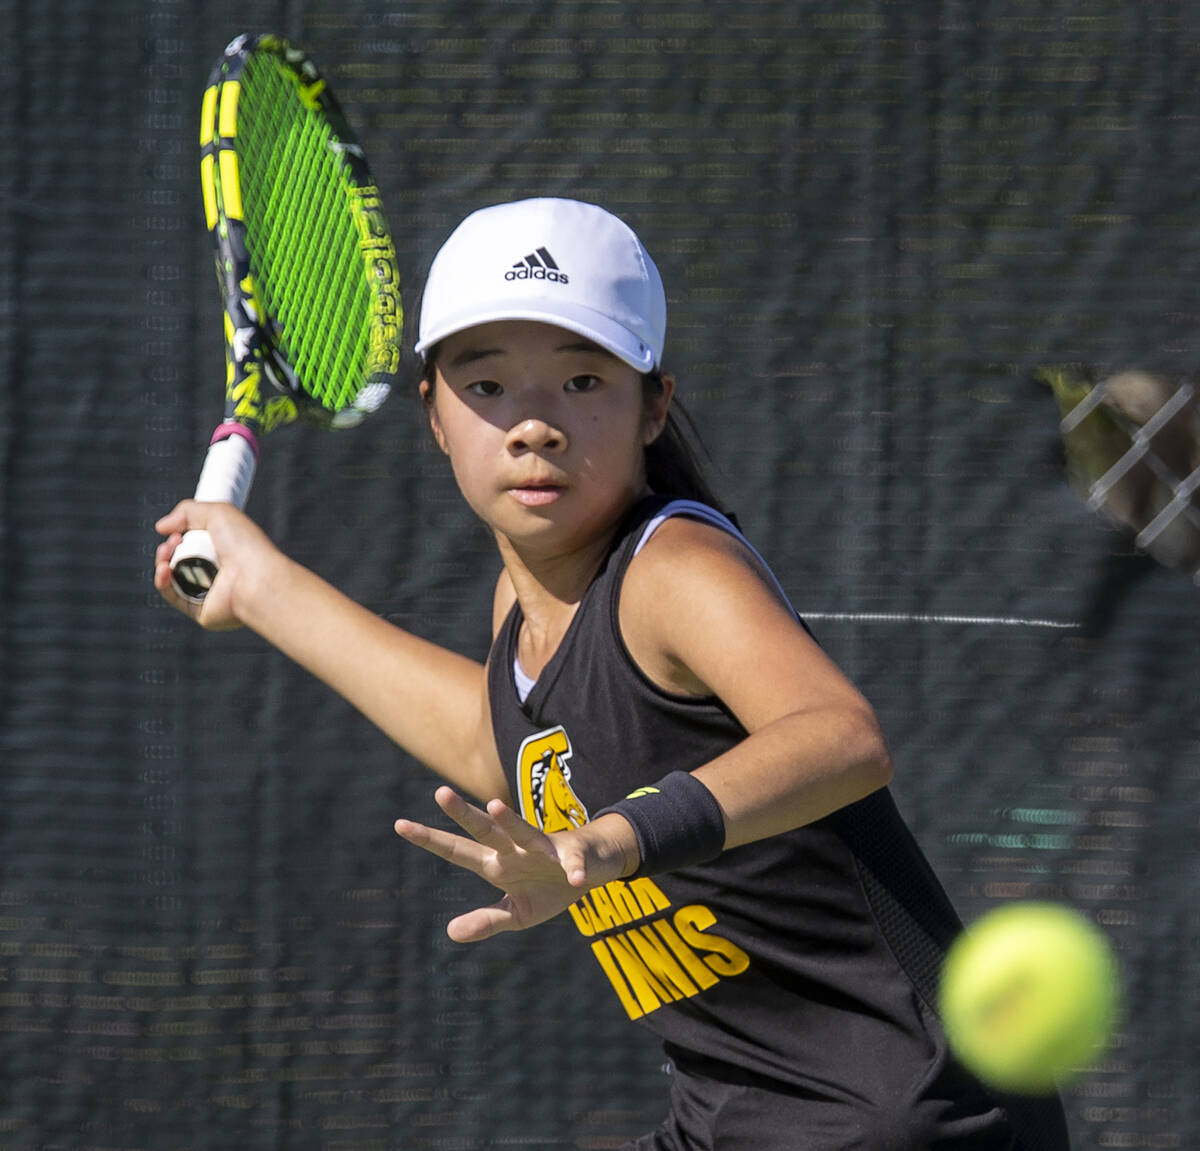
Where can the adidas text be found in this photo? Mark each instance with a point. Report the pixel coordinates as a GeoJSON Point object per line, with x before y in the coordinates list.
{"type": "Point", "coordinates": [537, 274]}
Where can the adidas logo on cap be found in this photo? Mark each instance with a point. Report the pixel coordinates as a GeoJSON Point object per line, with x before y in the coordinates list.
{"type": "Point", "coordinates": [613, 295]}
{"type": "Point", "coordinates": [538, 265]}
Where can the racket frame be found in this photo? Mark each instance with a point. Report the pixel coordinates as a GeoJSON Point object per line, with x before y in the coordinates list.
{"type": "Point", "coordinates": [262, 392]}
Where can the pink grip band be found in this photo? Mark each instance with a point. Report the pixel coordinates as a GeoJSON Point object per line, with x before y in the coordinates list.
{"type": "Point", "coordinates": [231, 428]}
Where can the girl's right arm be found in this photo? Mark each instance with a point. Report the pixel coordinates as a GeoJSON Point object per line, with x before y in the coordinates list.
{"type": "Point", "coordinates": [429, 700]}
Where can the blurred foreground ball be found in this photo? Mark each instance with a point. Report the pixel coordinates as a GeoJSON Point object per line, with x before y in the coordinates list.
{"type": "Point", "coordinates": [1029, 996]}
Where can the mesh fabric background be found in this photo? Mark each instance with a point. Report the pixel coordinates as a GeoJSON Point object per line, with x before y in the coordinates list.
{"type": "Point", "coordinates": [874, 221]}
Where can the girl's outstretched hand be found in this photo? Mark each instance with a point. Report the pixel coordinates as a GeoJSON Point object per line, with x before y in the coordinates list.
{"type": "Point", "coordinates": [539, 874]}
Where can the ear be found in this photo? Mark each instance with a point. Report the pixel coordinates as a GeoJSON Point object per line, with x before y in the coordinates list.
{"type": "Point", "coordinates": [429, 399]}
{"type": "Point", "coordinates": [657, 405]}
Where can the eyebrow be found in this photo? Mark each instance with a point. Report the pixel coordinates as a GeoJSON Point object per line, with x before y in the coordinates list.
{"type": "Point", "coordinates": [471, 355]}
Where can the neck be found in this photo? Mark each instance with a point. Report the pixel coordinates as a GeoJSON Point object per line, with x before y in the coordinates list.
{"type": "Point", "coordinates": [546, 585]}
{"type": "Point", "coordinates": [549, 586]}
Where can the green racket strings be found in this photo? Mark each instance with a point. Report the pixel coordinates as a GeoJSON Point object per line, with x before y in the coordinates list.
{"type": "Point", "coordinates": [301, 236]}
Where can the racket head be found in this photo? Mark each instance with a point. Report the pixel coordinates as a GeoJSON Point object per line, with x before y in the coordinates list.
{"type": "Point", "coordinates": [305, 259]}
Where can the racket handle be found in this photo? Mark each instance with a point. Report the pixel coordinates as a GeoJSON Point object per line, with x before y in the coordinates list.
{"type": "Point", "coordinates": [226, 477]}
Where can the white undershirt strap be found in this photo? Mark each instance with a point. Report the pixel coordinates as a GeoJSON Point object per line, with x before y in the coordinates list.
{"type": "Point", "coordinates": [699, 511]}
{"type": "Point", "coordinates": [691, 508]}
{"type": "Point", "coordinates": [524, 684]}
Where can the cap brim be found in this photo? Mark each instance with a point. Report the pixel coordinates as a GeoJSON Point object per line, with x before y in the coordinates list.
{"type": "Point", "coordinates": [608, 334]}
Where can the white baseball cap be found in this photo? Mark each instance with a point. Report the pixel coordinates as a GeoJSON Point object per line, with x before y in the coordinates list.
{"type": "Point", "coordinates": [559, 262]}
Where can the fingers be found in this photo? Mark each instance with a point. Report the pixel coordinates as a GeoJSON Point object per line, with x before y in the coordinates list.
{"type": "Point", "coordinates": [569, 852]}
{"type": "Point", "coordinates": [501, 833]}
{"type": "Point", "coordinates": [172, 526]}
{"type": "Point", "coordinates": [164, 584]}
{"type": "Point", "coordinates": [522, 833]}
{"type": "Point", "coordinates": [482, 923]}
{"type": "Point", "coordinates": [498, 828]}
{"type": "Point", "coordinates": [455, 849]}
{"type": "Point", "coordinates": [574, 864]}
{"type": "Point", "coordinates": [246, 556]}
{"type": "Point", "coordinates": [528, 866]}
{"type": "Point", "coordinates": [184, 515]}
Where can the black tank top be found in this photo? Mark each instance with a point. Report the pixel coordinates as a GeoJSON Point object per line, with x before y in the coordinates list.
{"type": "Point", "coordinates": [808, 960]}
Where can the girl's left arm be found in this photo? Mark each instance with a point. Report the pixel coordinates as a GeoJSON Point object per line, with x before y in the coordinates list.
{"type": "Point", "coordinates": [701, 615]}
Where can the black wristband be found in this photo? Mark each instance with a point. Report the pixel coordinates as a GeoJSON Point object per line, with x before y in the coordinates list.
{"type": "Point", "coordinates": [677, 822]}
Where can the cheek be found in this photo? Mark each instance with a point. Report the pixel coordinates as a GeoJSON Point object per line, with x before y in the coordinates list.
{"type": "Point", "coordinates": [452, 424]}
{"type": "Point", "coordinates": [469, 445]}
{"type": "Point", "coordinates": [616, 448]}
{"type": "Point", "coordinates": [475, 487]}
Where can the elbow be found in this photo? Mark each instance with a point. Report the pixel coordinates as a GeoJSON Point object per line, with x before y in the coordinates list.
{"type": "Point", "coordinates": [875, 761]}
{"type": "Point", "coordinates": [883, 768]}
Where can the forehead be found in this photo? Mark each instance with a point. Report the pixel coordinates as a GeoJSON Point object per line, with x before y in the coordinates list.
{"type": "Point", "coordinates": [514, 338]}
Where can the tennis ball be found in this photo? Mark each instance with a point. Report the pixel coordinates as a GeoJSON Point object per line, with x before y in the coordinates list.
{"type": "Point", "coordinates": [1029, 996]}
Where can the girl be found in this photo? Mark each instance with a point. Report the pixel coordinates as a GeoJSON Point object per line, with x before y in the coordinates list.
{"type": "Point", "coordinates": [662, 749]}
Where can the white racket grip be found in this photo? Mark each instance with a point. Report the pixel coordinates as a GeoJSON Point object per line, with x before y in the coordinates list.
{"type": "Point", "coordinates": [226, 477]}
{"type": "Point", "coordinates": [228, 472]}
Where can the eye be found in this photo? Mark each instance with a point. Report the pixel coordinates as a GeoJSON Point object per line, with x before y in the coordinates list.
{"type": "Point", "coordinates": [584, 383]}
{"type": "Point", "coordinates": [484, 388]}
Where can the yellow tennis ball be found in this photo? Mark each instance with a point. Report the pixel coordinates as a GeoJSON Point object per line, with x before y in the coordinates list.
{"type": "Point", "coordinates": [1029, 996]}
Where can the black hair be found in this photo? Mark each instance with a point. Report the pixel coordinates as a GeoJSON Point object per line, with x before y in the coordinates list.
{"type": "Point", "coordinates": [673, 459]}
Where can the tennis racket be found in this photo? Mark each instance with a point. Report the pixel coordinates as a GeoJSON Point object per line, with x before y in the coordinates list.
{"type": "Point", "coordinates": [306, 267]}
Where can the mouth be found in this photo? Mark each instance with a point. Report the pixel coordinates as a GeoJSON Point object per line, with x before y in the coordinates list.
{"type": "Point", "coordinates": [534, 495]}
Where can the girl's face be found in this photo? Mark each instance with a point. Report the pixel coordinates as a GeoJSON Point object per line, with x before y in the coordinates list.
{"type": "Point", "coordinates": [545, 431]}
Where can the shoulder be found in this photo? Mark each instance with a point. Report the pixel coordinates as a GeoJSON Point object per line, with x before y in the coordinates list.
{"type": "Point", "coordinates": [693, 592]}
{"type": "Point", "coordinates": [702, 616]}
{"type": "Point", "coordinates": [687, 557]}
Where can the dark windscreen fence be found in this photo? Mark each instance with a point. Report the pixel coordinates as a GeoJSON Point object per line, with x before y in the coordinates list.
{"type": "Point", "coordinates": [878, 225]}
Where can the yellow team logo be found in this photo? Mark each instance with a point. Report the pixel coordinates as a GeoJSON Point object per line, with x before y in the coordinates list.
{"type": "Point", "coordinates": [652, 952]}
{"type": "Point", "coordinates": [548, 800]}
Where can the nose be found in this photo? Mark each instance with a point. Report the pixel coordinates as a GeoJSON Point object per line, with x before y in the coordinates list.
{"type": "Point", "coordinates": [536, 435]}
